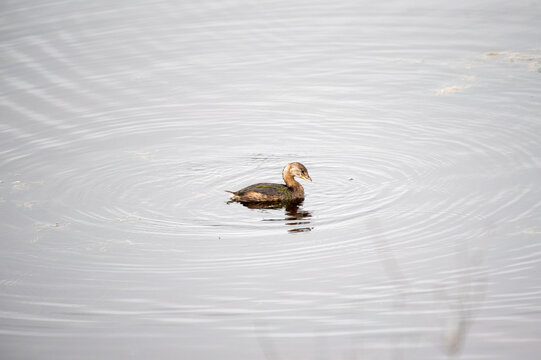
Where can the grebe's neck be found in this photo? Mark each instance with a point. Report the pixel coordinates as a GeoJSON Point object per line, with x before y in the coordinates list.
{"type": "Point", "coordinates": [289, 179]}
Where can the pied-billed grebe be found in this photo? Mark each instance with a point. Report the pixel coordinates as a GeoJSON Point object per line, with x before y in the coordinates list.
{"type": "Point", "coordinates": [264, 192]}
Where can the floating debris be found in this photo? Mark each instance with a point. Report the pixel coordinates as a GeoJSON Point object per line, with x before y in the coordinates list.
{"type": "Point", "coordinates": [535, 60]}
{"type": "Point", "coordinates": [452, 89]}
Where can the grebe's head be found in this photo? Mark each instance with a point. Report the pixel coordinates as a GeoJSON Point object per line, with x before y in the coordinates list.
{"type": "Point", "coordinates": [298, 169]}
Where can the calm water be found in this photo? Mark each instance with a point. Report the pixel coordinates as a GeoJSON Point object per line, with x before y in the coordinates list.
{"type": "Point", "coordinates": [420, 237]}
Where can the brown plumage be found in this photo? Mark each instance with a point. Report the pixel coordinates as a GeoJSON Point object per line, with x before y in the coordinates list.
{"type": "Point", "coordinates": [264, 192]}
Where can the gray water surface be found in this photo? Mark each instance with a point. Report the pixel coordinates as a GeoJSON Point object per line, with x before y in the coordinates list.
{"type": "Point", "coordinates": [419, 122]}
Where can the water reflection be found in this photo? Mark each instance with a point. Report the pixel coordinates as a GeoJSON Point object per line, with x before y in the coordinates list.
{"type": "Point", "coordinates": [296, 218]}
{"type": "Point", "coordinates": [455, 300]}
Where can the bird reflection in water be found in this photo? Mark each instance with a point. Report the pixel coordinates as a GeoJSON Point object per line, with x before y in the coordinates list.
{"type": "Point", "coordinates": [295, 217]}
